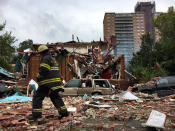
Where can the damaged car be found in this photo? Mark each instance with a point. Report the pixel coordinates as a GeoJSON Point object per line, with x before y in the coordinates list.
{"type": "Point", "coordinates": [164, 86]}
{"type": "Point", "coordinates": [76, 87]}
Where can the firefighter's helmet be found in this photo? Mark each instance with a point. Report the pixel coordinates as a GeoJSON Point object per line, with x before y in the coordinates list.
{"type": "Point", "coordinates": [42, 48]}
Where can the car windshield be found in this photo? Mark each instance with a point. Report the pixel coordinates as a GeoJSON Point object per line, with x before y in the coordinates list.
{"type": "Point", "coordinates": [73, 83]}
{"type": "Point", "coordinates": [169, 81]}
{"type": "Point", "coordinates": [101, 83]}
{"type": "Point", "coordinates": [162, 81]}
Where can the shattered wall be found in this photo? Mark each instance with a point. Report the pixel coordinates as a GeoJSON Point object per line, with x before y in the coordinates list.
{"type": "Point", "coordinates": [34, 64]}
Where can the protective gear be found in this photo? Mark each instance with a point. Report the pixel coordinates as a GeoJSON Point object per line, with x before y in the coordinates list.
{"type": "Point", "coordinates": [65, 114]}
{"type": "Point", "coordinates": [48, 75]}
{"type": "Point", "coordinates": [49, 84]}
{"type": "Point", "coordinates": [31, 117]}
{"type": "Point", "coordinates": [42, 48]}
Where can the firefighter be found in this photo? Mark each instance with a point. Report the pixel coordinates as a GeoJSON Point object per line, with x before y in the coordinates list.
{"type": "Point", "coordinates": [50, 84]}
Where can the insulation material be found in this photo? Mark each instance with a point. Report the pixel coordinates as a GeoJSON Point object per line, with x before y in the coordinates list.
{"type": "Point", "coordinates": [15, 99]}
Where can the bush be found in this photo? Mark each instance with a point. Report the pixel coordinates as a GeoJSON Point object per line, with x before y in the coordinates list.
{"type": "Point", "coordinates": [4, 64]}
{"type": "Point", "coordinates": [139, 72]}
{"type": "Point", "coordinates": [170, 67]}
{"type": "Point", "coordinates": [144, 74]}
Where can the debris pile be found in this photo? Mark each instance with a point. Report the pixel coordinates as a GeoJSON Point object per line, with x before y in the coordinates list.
{"type": "Point", "coordinates": [150, 83]}
{"type": "Point", "coordinates": [94, 113]}
{"type": "Point", "coordinates": [112, 68]}
{"type": "Point", "coordinates": [163, 86]}
{"type": "Point", "coordinates": [10, 83]}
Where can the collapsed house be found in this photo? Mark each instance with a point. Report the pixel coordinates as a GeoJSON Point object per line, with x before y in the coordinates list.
{"type": "Point", "coordinates": [84, 59]}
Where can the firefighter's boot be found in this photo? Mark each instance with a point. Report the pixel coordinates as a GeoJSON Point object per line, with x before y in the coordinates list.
{"type": "Point", "coordinates": [32, 117]}
{"type": "Point", "coordinates": [64, 114]}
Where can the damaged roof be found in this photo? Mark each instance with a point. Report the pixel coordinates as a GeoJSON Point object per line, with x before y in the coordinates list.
{"type": "Point", "coordinates": [5, 73]}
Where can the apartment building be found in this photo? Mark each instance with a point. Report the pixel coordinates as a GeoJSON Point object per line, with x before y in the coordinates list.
{"type": "Point", "coordinates": [129, 27]}
{"type": "Point", "coordinates": [109, 26]}
{"type": "Point", "coordinates": [139, 29]}
{"type": "Point", "coordinates": [148, 8]}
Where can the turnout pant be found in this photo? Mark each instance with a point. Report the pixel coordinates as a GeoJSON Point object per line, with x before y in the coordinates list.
{"type": "Point", "coordinates": [38, 98]}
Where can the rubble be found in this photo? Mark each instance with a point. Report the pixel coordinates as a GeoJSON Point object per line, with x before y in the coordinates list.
{"type": "Point", "coordinates": [9, 84]}
{"type": "Point", "coordinates": [162, 86]}
{"type": "Point", "coordinates": [117, 116]}
{"type": "Point", "coordinates": [4, 74]}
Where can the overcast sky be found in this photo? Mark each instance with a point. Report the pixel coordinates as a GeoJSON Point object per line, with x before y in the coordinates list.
{"type": "Point", "coordinates": [56, 20]}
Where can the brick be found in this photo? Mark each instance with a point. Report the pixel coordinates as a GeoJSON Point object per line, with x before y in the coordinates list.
{"type": "Point", "coordinates": [170, 115]}
{"type": "Point", "coordinates": [63, 120]}
{"type": "Point", "coordinates": [69, 119]}
{"type": "Point", "coordinates": [19, 128]}
{"type": "Point", "coordinates": [16, 123]}
{"type": "Point", "coordinates": [78, 123]}
{"type": "Point", "coordinates": [57, 124]}
{"type": "Point", "coordinates": [2, 104]}
{"type": "Point", "coordinates": [5, 118]}
{"type": "Point", "coordinates": [50, 116]}
{"type": "Point", "coordinates": [51, 128]}
{"type": "Point", "coordinates": [108, 128]}
{"type": "Point", "coordinates": [6, 123]}
{"type": "Point", "coordinates": [76, 115]}
{"type": "Point", "coordinates": [50, 123]}
{"type": "Point", "coordinates": [98, 127]}
{"type": "Point", "coordinates": [112, 117]}
{"type": "Point", "coordinates": [173, 125]}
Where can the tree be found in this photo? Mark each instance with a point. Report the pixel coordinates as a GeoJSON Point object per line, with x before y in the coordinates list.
{"type": "Point", "coordinates": [24, 45]}
{"type": "Point", "coordinates": [143, 62]}
{"type": "Point", "coordinates": [165, 23]}
{"type": "Point", "coordinates": [146, 51]}
{"type": "Point", "coordinates": [6, 48]}
{"type": "Point", "coordinates": [161, 54]}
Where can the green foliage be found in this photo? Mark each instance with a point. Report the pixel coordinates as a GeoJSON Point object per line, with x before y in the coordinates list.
{"type": "Point", "coordinates": [6, 48]}
{"type": "Point", "coordinates": [144, 74]}
{"type": "Point", "coordinates": [165, 23]}
{"type": "Point", "coordinates": [170, 66]}
{"type": "Point", "coordinates": [143, 64]}
{"type": "Point", "coordinates": [24, 45]}
{"type": "Point", "coordinates": [138, 117]}
{"type": "Point", "coordinates": [145, 56]}
{"type": "Point", "coordinates": [4, 64]}
{"type": "Point", "coordinates": [140, 72]}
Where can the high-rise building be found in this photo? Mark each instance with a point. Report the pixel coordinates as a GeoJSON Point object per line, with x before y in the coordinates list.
{"type": "Point", "coordinates": [148, 8]}
{"type": "Point", "coordinates": [129, 27]}
{"type": "Point", "coordinates": [138, 29]}
{"type": "Point", "coordinates": [109, 25]}
{"type": "Point", "coordinates": [124, 35]}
